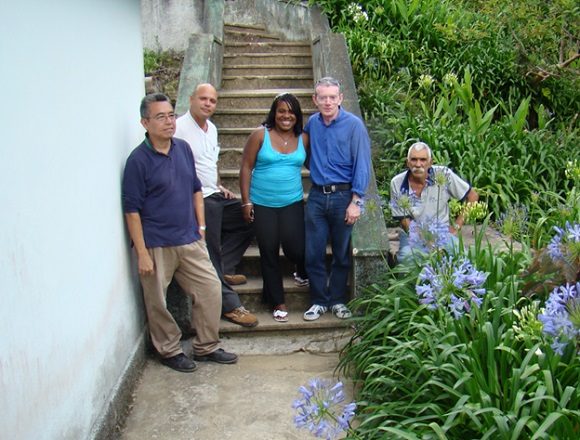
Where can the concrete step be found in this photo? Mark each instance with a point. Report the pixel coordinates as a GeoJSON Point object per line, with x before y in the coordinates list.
{"type": "Point", "coordinates": [295, 322]}
{"type": "Point", "coordinates": [261, 98]}
{"type": "Point", "coordinates": [250, 264]}
{"type": "Point", "coordinates": [241, 27]}
{"type": "Point", "coordinates": [325, 335]}
{"type": "Point", "coordinates": [247, 117]}
{"type": "Point", "coordinates": [267, 69]}
{"type": "Point", "coordinates": [247, 35]}
{"type": "Point", "coordinates": [297, 298]}
{"type": "Point", "coordinates": [230, 158]}
{"type": "Point", "coordinates": [267, 81]}
{"type": "Point", "coordinates": [249, 47]}
{"type": "Point", "coordinates": [274, 58]}
{"type": "Point", "coordinates": [234, 137]}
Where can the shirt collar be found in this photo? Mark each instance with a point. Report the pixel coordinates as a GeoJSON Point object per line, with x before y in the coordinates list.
{"type": "Point", "coordinates": [150, 145]}
{"type": "Point", "coordinates": [340, 115]}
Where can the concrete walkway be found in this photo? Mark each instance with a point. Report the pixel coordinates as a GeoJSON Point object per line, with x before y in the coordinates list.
{"type": "Point", "coordinates": [250, 400]}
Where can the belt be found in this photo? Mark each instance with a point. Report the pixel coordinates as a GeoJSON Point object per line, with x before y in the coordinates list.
{"type": "Point", "coordinates": [328, 189]}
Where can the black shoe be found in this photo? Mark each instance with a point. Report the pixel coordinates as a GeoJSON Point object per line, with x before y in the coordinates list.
{"type": "Point", "coordinates": [180, 362]}
{"type": "Point", "coordinates": [220, 356]}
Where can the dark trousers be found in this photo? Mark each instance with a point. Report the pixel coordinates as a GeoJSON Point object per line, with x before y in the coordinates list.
{"type": "Point", "coordinates": [274, 227]}
{"type": "Point", "coordinates": [227, 237]}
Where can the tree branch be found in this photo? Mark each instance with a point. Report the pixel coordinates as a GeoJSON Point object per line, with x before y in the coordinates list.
{"type": "Point", "coordinates": [541, 74]}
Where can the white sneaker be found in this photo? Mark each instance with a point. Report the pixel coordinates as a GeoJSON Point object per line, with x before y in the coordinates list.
{"type": "Point", "coordinates": [300, 282]}
{"type": "Point", "coordinates": [341, 311]}
{"type": "Point", "coordinates": [314, 312]}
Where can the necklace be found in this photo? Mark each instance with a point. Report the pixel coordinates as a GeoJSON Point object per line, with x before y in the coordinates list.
{"type": "Point", "coordinates": [285, 140]}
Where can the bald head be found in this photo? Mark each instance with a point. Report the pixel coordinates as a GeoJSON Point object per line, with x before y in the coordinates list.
{"type": "Point", "coordinates": [204, 88]}
{"type": "Point", "coordinates": [202, 103]}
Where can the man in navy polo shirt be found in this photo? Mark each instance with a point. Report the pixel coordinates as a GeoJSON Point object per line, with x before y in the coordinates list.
{"type": "Point", "coordinates": [163, 207]}
{"type": "Point", "coordinates": [340, 171]}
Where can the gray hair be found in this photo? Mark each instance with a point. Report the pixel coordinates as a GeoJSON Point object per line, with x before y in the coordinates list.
{"type": "Point", "coordinates": [419, 146]}
{"type": "Point", "coordinates": [327, 81]}
{"type": "Point", "coordinates": [150, 99]}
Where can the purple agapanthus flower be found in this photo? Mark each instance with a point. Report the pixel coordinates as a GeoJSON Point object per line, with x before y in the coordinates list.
{"type": "Point", "coordinates": [321, 409]}
{"type": "Point", "coordinates": [429, 235]}
{"type": "Point", "coordinates": [565, 245]}
{"type": "Point", "coordinates": [561, 319]}
{"type": "Point", "coordinates": [452, 283]}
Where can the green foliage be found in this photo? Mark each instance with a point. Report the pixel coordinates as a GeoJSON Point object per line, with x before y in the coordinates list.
{"type": "Point", "coordinates": [164, 67]}
{"type": "Point", "coordinates": [493, 88]}
{"type": "Point", "coordinates": [546, 37]}
{"type": "Point", "coordinates": [488, 375]}
{"type": "Point", "coordinates": [151, 61]}
{"type": "Point", "coordinates": [463, 77]}
{"type": "Point", "coordinates": [507, 163]}
{"type": "Point", "coordinates": [515, 49]}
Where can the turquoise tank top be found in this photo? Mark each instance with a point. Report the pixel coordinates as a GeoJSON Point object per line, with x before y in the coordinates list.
{"type": "Point", "coordinates": [276, 179]}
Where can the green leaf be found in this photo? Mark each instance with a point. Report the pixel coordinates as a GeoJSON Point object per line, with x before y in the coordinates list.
{"type": "Point", "coordinates": [548, 422]}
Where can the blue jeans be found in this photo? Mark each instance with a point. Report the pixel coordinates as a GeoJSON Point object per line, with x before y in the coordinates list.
{"type": "Point", "coordinates": [325, 215]}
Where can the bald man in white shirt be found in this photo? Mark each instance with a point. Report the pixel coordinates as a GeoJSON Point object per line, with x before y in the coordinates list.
{"type": "Point", "coordinates": [227, 234]}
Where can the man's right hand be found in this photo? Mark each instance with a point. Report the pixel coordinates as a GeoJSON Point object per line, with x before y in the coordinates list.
{"type": "Point", "coordinates": [145, 265]}
{"type": "Point", "coordinates": [227, 193]}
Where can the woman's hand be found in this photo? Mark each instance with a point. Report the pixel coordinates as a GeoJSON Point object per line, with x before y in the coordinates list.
{"type": "Point", "coordinates": [248, 212]}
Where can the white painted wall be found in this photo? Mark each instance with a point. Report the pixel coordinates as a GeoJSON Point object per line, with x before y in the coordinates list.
{"type": "Point", "coordinates": [71, 80]}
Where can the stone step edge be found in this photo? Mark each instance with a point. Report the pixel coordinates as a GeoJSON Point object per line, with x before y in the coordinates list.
{"type": "Point", "coordinates": [258, 27]}
{"type": "Point", "coordinates": [255, 282]}
{"type": "Point", "coordinates": [234, 34]}
{"type": "Point", "coordinates": [267, 54]}
{"type": "Point", "coordinates": [268, 66]}
{"type": "Point", "coordinates": [295, 322]}
{"type": "Point", "coordinates": [254, 252]}
{"type": "Point", "coordinates": [261, 93]}
{"type": "Point", "coordinates": [249, 76]}
{"type": "Point", "coordinates": [242, 130]}
{"type": "Point", "coordinates": [267, 43]}
{"type": "Point", "coordinates": [255, 111]}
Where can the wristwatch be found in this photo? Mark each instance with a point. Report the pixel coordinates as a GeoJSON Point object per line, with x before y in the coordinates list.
{"type": "Point", "coordinates": [358, 202]}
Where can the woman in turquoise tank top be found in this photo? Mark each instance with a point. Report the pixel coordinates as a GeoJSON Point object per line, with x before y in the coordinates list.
{"type": "Point", "coordinates": [273, 197]}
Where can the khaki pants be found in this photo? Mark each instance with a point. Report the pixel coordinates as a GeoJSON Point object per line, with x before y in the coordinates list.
{"type": "Point", "coordinates": [192, 269]}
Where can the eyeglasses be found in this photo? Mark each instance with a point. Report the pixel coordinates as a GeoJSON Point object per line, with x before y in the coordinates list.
{"type": "Point", "coordinates": [162, 117]}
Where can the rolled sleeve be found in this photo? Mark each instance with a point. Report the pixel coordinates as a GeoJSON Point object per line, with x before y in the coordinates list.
{"type": "Point", "coordinates": [458, 188]}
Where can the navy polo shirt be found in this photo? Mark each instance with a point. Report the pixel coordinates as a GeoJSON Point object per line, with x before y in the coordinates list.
{"type": "Point", "coordinates": [160, 188]}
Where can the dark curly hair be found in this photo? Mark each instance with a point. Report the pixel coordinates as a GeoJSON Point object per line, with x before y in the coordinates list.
{"type": "Point", "coordinates": [293, 105]}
